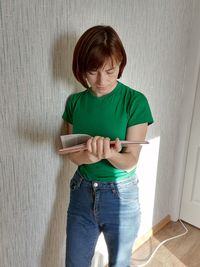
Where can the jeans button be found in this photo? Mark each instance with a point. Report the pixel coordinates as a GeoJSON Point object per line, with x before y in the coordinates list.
{"type": "Point", "coordinates": [95, 184]}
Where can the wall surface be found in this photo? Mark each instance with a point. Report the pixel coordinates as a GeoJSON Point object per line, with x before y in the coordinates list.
{"type": "Point", "coordinates": [36, 44]}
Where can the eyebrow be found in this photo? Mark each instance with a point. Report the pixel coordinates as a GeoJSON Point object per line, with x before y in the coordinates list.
{"type": "Point", "coordinates": [111, 68]}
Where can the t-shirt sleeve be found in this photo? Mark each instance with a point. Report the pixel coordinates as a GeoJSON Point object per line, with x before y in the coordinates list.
{"type": "Point", "coordinates": [68, 112]}
{"type": "Point", "coordinates": [139, 111]}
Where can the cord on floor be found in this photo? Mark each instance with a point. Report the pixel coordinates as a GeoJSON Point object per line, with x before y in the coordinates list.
{"type": "Point", "coordinates": [162, 243]}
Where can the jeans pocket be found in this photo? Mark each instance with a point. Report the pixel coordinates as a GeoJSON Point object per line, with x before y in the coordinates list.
{"type": "Point", "coordinates": [128, 193]}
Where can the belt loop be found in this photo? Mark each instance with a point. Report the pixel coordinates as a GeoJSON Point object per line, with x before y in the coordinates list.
{"type": "Point", "coordinates": [113, 187]}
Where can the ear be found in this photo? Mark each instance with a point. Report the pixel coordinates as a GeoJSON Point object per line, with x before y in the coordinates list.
{"type": "Point", "coordinates": [85, 78]}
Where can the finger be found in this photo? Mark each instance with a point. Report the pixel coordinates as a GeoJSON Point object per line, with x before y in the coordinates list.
{"type": "Point", "coordinates": [89, 144]}
{"type": "Point", "coordinates": [94, 145]}
{"type": "Point", "coordinates": [106, 147]}
{"type": "Point", "coordinates": [118, 145]}
{"type": "Point", "coordinates": [100, 142]}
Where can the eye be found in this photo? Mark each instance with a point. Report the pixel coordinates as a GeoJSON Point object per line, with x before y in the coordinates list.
{"type": "Point", "coordinates": [92, 72]}
{"type": "Point", "coordinates": [110, 71]}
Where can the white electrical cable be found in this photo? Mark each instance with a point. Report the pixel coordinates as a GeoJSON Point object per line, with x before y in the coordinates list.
{"type": "Point", "coordinates": [163, 242]}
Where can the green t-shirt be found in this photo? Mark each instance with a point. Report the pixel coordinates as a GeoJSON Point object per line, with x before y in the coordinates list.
{"type": "Point", "coordinates": [108, 116]}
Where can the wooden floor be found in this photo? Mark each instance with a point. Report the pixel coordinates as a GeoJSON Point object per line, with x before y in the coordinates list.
{"type": "Point", "coordinates": [180, 252]}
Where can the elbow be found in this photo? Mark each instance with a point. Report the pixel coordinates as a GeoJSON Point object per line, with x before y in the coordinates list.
{"type": "Point", "coordinates": [132, 165]}
{"type": "Point", "coordinates": [131, 168]}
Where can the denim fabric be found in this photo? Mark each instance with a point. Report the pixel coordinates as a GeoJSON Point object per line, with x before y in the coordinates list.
{"type": "Point", "coordinates": [108, 207]}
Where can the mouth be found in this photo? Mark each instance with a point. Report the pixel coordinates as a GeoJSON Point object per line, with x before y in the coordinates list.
{"type": "Point", "coordinates": [101, 86]}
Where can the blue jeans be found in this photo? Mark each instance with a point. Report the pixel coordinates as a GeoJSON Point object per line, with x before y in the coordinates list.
{"type": "Point", "coordinates": [108, 207]}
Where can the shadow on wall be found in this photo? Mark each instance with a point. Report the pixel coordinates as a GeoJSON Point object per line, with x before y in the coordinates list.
{"type": "Point", "coordinates": [52, 253]}
{"type": "Point", "coordinates": [36, 132]}
{"type": "Point", "coordinates": [54, 244]}
{"type": "Point", "coordinates": [54, 240]}
{"type": "Point", "coordinates": [53, 247]}
{"type": "Point", "coordinates": [62, 54]}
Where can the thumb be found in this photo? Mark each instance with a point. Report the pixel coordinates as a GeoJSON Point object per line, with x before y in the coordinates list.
{"type": "Point", "coordinates": [118, 146]}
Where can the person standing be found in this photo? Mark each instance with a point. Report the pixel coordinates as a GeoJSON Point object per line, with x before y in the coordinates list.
{"type": "Point", "coordinates": [104, 189]}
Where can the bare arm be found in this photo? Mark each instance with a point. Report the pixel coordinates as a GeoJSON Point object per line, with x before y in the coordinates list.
{"type": "Point", "coordinates": [99, 148]}
{"type": "Point", "coordinates": [128, 159]}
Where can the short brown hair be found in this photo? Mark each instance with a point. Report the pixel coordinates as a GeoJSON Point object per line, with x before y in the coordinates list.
{"type": "Point", "coordinates": [92, 49]}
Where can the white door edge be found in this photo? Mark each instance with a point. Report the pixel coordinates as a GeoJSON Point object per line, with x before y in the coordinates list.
{"type": "Point", "coordinates": [182, 139]}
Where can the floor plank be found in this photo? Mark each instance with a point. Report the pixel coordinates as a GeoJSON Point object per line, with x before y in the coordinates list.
{"type": "Point", "coordinates": [180, 252]}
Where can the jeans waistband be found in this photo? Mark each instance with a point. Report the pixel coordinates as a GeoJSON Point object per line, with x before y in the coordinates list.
{"type": "Point", "coordinates": [81, 179]}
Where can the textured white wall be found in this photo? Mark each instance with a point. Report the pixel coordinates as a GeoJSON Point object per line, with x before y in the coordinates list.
{"type": "Point", "coordinates": [36, 44]}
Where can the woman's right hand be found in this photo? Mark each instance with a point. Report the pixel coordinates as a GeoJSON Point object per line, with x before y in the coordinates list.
{"type": "Point", "coordinates": [99, 148]}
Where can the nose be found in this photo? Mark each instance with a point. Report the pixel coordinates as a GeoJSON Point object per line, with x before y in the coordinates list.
{"type": "Point", "coordinates": [100, 78]}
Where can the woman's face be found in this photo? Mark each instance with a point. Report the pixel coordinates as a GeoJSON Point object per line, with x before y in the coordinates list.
{"type": "Point", "coordinates": [104, 79]}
